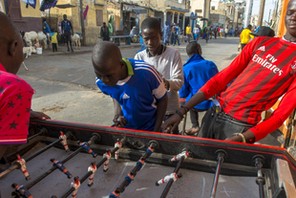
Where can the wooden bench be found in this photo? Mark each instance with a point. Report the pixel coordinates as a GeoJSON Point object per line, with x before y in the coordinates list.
{"type": "Point", "coordinates": [116, 39]}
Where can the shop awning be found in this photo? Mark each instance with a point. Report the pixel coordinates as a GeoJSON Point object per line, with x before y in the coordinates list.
{"type": "Point", "coordinates": [64, 6]}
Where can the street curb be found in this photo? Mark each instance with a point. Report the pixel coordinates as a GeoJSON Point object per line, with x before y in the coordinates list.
{"type": "Point", "coordinates": [83, 50]}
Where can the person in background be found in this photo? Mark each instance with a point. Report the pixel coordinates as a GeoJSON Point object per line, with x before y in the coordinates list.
{"type": "Point", "coordinates": [138, 92]}
{"type": "Point", "coordinates": [197, 71]}
{"type": "Point", "coordinates": [15, 93]}
{"type": "Point", "coordinates": [165, 59]}
{"type": "Point", "coordinates": [67, 31]}
{"type": "Point", "coordinates": [188, 32]}
{"type": "Point", "coordinates": [54, 40]}
{"type": "Point", "coordinates": [246, 36]}
{"type": "Point", "coordinates": [104, 32]}
{"type": "Point", "coordinates": [251, 84]}
{"type": "Point", "coordinates": [263, 31]}
{"type": "Point", "coordinates": [166, 33]}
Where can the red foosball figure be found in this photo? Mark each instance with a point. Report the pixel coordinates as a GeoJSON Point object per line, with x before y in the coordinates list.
{"type": "Point", "coordinates": [167, 178]}
{"type": "Point", "coordinates": [64, 141]}
{"type": "Point", "coordinates": [93, 169]}
{"type": "Point", "coordinates": [119, 145]}
{"type": "Point", "coordinates": [21, 161]}
{"type": "Point", "coordinates": [75, 185]}
{"type": "Point", "coordinates": [106, 163]}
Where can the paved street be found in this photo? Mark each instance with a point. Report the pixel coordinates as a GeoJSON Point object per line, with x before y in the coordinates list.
{"type": "Point", "coordinates": [65, 82]}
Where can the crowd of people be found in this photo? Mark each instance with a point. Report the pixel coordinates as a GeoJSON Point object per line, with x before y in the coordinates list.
{"type": "Point", "coordinates": [146, 89]}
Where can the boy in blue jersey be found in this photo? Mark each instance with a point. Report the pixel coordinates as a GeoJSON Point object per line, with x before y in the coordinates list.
{"type": "Point", "coordinates": [197, 71]}
{"type": "Point", "coordinates": [138, 92]}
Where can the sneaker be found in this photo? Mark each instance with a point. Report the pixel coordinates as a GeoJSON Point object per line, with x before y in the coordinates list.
{"type": "Point", "coordinates": [192, 131]}
{"type": "Point", "coordinates": [89, 185]}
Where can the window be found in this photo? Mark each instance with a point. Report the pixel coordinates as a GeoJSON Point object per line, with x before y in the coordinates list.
{"type": "Point", "coordinates": [99, 17]}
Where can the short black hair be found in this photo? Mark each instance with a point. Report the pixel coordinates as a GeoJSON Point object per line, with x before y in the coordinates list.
{"type": "Point", "coordinates": [193, 47]}
{"type": "Point", "coordinates": [151, 23]}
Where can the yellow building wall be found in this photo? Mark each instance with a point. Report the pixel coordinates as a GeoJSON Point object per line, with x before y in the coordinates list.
{"type": "Point", "coordinates": [30, 12]}
{"type": "Point", "coordinates": [2, 8]}
{"type": "Point", "coordinates": [73, 14]}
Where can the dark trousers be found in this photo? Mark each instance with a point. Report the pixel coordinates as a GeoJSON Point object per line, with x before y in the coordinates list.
{"type": "Point", "coordinates": [54, 47]}
{"type": "Point", "coordinates": [218, 125]}
{"type": "Point", "coordinates": [67, 37]}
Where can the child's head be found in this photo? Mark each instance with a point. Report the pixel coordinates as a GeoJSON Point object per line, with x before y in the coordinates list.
{"type": "Point", "coordinates": [193, 48]}
{"type": "Point", "coordinates": [107, 63]}
{"type": "Point", "coordinates": [151, 32]}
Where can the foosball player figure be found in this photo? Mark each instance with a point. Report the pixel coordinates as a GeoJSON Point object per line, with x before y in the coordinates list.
{"type": "Point", "coordinates": [75, 185]}
{"type": "Point", "coordinates": [86, 147]}
{"type": "Point", "coordinates": [167, 178]}
{"type": "Point", "coordinates": [61, 167]}
{"type": "Point", "coordinates": [21, 161]}
{"type": "Point", "coordinates": [119, 145]}
{"type": "Point", "coordinates": [20, 191]}
{"type": "Point", "coordinates": [180, 155]}
{"type": "Point", "coordinates": [93, 169]}
{"type": "Point", "coordinates": [106, 163]}
{"type": "Point", "coordinates": [64, 141]}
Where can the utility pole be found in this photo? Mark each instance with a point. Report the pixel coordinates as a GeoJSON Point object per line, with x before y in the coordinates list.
{"type": "Point", "coordinates": [248, 12]}
{"type": "Point", "coordinates": [261, 12]}
{"type": "Point", "coordinates": [82, 22]}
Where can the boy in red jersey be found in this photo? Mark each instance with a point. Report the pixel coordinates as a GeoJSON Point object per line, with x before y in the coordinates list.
{"type": "Point", "coordinates": [15, 93]}
{"type": "Point", "coordinates": [252, 83]}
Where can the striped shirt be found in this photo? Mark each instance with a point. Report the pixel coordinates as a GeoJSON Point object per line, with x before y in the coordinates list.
{"type": "Point", "coordinates": [253, 82]}
{"type": "Point", "coordinates": [137, 94]}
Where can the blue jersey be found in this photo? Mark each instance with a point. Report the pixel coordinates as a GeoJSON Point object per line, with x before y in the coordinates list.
{"type": "Point", "coordinates": [66, 26]}
{"type": "Point", "coordinates": [137, 94]}
{"type": "Point", "coordinates": [197, 71]}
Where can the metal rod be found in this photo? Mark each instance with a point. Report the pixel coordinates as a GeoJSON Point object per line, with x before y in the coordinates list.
{"type": "Point", "coordinates": [15, 166]}
{"type": "Point", "coordinates": [221, 155]}
{"type": "Point", "coordinates": [260, 180]}
{"type": "Point", "coordinates": [43, 130]}
{"type": "Point", "coordinates": [129, 178]}
{"type": "Point", "coordinates": [99, 164]}
{"type": "Point", "coordinates": [43, 150]}
{"type": "Point", "coordinates": [38, 179]}
{"type": "Point", "coordinates": [53, 168]}
{"type": "Point", "coordinates": [170, 183]}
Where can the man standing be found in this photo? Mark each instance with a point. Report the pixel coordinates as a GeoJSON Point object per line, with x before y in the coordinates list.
{"type": "Point", "coordinates": [67, 31]}
{"type": "Point", "coordinates": [246, 36]}
{"type": "Point", "coordinates": [105, 32]}
{"type": "Point", "coordinates": [251, 84]}
{"type": "Point", "coordinates": [166, 60]}
{"type": "Point", "coordinates": [197, 71]}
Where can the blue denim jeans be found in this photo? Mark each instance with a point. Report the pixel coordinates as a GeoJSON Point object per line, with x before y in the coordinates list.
{"type": "Point", "coordinates": [218, 125]}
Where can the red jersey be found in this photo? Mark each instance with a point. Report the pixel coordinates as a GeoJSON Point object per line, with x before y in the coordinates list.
{"type": "Point", "coordinates": [15, 106]}
{"type": "Point", "coordinates": [253, 82]}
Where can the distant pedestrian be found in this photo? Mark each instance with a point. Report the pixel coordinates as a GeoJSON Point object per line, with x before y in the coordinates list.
{"type": "Point", "coordinates": [166, 33]}
{"type": "Point", "coordinates": [67, 31]}
{"type": "Point", "coordinates": [105, 32]}
{"type": "Point", "coordinates": [54, 40]}
{"type": "Point", "coordinates": [188, 32]}
{"type": "Point", "coordinates": [246, 36]}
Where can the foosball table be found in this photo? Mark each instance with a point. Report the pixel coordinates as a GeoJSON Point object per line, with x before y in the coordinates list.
{"type": "Point", "coordinates": [63, 159]}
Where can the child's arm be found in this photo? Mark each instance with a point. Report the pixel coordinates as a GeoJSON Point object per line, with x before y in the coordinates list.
{"type": "Point", "coordinates": [160, 112]}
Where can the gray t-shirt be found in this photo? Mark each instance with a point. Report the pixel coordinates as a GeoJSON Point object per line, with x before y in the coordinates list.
{"type": "Point", "coordinates": [169, 65]}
